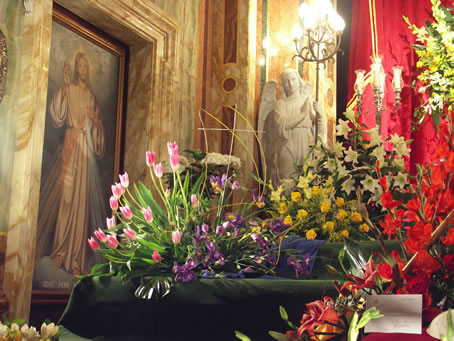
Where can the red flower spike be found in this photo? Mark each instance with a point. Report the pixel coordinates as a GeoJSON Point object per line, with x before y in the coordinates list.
{"type": "Point", "coordinates": [388, 202]}
{"type": "Point", "coordinates": [425, 264]}
{"type": "Point", "coordinates": [449, 239]}
{"type": "Point", "coordinates": [418, 235]}
{"type": "Point", "coordinates": [383, 184]}
{"type": "Point", "coordinates": [390, 225]}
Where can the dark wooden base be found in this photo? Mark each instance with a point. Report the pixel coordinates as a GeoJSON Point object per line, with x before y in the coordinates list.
{"type": "Point", "coordinates": [47, 305]}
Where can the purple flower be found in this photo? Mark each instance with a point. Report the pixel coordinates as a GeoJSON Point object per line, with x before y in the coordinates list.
{"type": "Point", "coordinates": [184, 272]}
{"type": "Point", "coordinates": [300, 266]}
{"type": "Point", "coordinates": [200, 237]}
{"type": "Point", "coordinates": [210, 246]}
{"type": "Point", "coordinates": [218, 184]}
{"type": "Point", "coordinates": [236, 185]}
{"type": "Point", "coordinates": [276, 225]}
{"type": "Point", "coordinates": [258, 199]}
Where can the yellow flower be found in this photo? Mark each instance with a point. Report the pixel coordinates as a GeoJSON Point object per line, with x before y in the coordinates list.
{"type": "Point", "coordinates": [288, 220]}
{"type": "Point", "coordinates": [364, 228]}
{"type": "Point", "coordinates": [276, 195]}
{"type": "Point", "coordinates": [296, 196]}
{"type": "Point", "coordinates": [341, 214]}
{"type": "Point", "coordinates": [283, 208]}
{"type": "Point", "coordinates": [255, 229]}
{"type": "Point", "coordinates": [311, 234]}
{"type": "Point", "coordinates": [302, 214]}
{"type": "Point", "coordinates": [345, 233]}
{"type": "Point", "coordinates": [325, 206]}
{"type": "Point", "coordinates": [329, 225]}
{"type": "Point", "coordinates": [419, 64]}
{"type": "Point", "coordinates": [340, 202]}
{"type": "Point", "coordinates": [315, 190]}
{"type": "Point", "coordinates": [329, 181]}
{"type": "Point", "coordinates": [356, 217]}
{"type": "Point", "coordinates": [433, 68]}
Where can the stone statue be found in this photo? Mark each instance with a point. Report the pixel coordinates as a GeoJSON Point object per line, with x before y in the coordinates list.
{"type": "Point", "coordinates": [288, 125]}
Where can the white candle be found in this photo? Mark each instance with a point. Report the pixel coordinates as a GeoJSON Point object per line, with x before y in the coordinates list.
{"type": "Point", "coordinates": [359, 83]}
{"type": "Point", "coordinates": [397, 78]}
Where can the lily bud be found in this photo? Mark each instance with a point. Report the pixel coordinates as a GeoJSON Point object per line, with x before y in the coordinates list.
{"type": "Point", "coordinates": [129, 232]}
{"type": "Point", "coordinates": [176, 237]}
{"type": "Point", "coordinates": [93, 244]}
{"type": "Point", "coordinates": [151, 157]}
{"type": "Point", "coordinates": [148, 214]}
{"type": "Point", "coordinates": [113, 203]}
{"type": "Point", "coordinates": [124, 180]}
{"type": "Point", "coordinates": [100, 235]}
{"type": "Point", "coordinates": [194, 200]}
{"type": "Point", "coordinates": [158, 170]}
{"type": "Point", "coordinates": [111, 223]}
{"type": "Point", "coordinates": [112, 241]}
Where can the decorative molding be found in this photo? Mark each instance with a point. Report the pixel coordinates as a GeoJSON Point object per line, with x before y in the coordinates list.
{"type": "Point", "coordinates": [3, 64]}
{"type": "Point", "coordinates": [28, 7]}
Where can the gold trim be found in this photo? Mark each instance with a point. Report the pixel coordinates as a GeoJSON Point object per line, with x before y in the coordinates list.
{"type": "Point", "coordinates": [3, 64]}
{"type": "Point", "coordinates": [236, 84]}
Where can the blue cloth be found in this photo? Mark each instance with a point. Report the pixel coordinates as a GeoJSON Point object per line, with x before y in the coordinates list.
{"type": "Point", "coordinates": [299, 248]}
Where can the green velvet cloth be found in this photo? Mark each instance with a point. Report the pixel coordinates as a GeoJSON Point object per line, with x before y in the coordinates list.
{"type": "Point", "coordinates": [205, 309]}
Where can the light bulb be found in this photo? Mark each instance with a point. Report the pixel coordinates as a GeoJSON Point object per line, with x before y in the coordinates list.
{"type": "Point", "coordinates": [336, 22]}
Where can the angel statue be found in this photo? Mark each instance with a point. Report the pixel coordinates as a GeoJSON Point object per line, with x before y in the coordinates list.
{"type": "Point", "coordinates": [288, 125]}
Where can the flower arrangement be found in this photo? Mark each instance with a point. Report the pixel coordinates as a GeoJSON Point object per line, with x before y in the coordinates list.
{"type": "Point", "coordinates": [11, 331]}
{"type": "Point", "coordinates": [310, 206]}
{"type": "Point", "coordinates": [194, 232]}
{"type": "Point", "coordinates": [436, 57]}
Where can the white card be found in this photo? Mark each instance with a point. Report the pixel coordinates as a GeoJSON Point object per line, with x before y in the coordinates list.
{"type": "Point", "coordinates": [403, 314]}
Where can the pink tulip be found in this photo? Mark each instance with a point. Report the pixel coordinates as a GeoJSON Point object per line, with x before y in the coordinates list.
{"type": "Point", "coordinates": [236, 185]}
{"type": "Point", "coordinates": [129, 232]}
{"type": "Point", "coordinates": [158, 170]}
{"type": "Point", "coordinates": [176, 237]}
{"type": "Point", "coordinates": [172, 148]}
{"type": "Point", "coordinates": [174, 160]}
{"type": "Point", "coordinates": [113, 203]}
{"type": "Point", "coordinates": [124, 180]}
{"type": "Point", "coordinates": [100, 235]}
{"type": "Point", "coordinates": [111, 223]}
{"type": "Point", "coordinates": [156, 256]}
{"type": "Point", "coordinates": [93, 244]}
{"type": "Point", "coordinates": [205, 228]}
{"type": "Point", "coordinates": [112, 241]}
{"type": "Point", "coordinates": [126, 211]}
{"type": "Point", "coordinates": [167, 192]}
{"type": "Point", "coordinates": [151, 157]}
{"type": "Point", "coordinates": [117, 190]}
{"type": "Point", "coordinates": [194, 200]}
{"type": "Point", "coordinates": [148, 214]}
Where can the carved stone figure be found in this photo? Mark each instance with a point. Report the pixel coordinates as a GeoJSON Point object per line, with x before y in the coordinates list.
{"type": "Point", "coordinates": [289, 125]}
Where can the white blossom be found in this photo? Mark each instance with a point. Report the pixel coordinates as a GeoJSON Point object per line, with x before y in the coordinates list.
{"type": "Point", "coordinates": [369, 183]}
{"type": "Point", "coordinates": [343, 128]}
{"type": "Point", "coordinates": [379, 153]}
{"type": "Point", "coordinates": [338, 149]}
{"type": "Point", "coordinates": [349, 185]}
{"type": "Point", "coordinates": [351, 155]}
{"type": "Point", "coordinates": [400, 180]}
{"type": "Point", "coordinates": [375, 137]}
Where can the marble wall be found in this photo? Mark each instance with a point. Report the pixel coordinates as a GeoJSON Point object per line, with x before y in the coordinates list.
{"type": "Point", "coordinates": [11, 24]}
{"type": "Point", "coordinates": [161, 89]}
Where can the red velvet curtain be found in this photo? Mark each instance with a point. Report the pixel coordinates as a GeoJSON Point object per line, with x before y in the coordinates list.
{"type": "Point", "coordinates": [394, 43]}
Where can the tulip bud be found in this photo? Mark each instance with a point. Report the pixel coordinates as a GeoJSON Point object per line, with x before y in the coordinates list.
{"type": "Point", "coordinates": [156, 256]}
{"type": "Point", "coordinates": [194, 200]}
{"type": "Point", "coordinates": [100, 235]}
{"type": "Point", "coordinates": [158, 170]}
{"type": "Point", "coordinates": [174, 161]}
{"type": "Point", "coordinates": [111, 223]}
{"type": "Point", "coordinates": [236, 185]}
{"type": "Point", "coordinates": [151, 157]}
{"type": "Point", "coordinates": [124, 180]}
{"type": "Point", "coordinates": [129, 232]}
{"type": "Point", "coordinates": [148, 214]}
{"type": "Point", "coordinates": [117, 190]}
{"type": "Point", "coordinates": [176, 237]}
{"type": "Point", "coordinates": [93, 244]}
{"type": "Point", "coordinates": [112, 241]}
{"type": "Point", "coordinates": [113, 203]}
{"type": "Point", "coordinates": [126, 211]}
{"type": "Point", "coordinates": [172, 148]}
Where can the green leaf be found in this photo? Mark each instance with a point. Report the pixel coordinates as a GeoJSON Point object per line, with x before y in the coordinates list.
{"type": "Point", "coordinates": [355, 256]}
{"type": "Point", "coordinates": [436, 119]}
{"type": "Point", "coordinates": [241, 336]}
{"type": "Point", "coordinates": [278, 336]}
{"type": "Point", "coordinates": [449, 325]}
{"type": "Point", "coordinates": [150, 245]}
{"type": "Point", "coordinates": [283, 313]}
{"type": "Point", "coordinates": [154, 288]}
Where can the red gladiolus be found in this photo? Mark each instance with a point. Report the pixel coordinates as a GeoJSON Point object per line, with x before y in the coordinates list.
{"type": "Point", "coordinates": [425, 264]}
{"type": "Point", "coordinates": [318, 312]}
{"type": "Point", "coordinates": [383, 183]}
{"type": "Point", "coordinates": [418, 235]}
{"type": "Point", "coordinates": [388, 202]}
{"type": "Point", "coordinates": [390, 225]}
{"type": "Point", "coordinates": [449, 239]}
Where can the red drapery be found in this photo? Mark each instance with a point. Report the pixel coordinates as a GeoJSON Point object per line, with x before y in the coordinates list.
{"type": "Point", "coordinates": [394, 40]}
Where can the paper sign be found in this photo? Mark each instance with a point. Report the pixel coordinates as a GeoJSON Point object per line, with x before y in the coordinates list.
{"type": "Point", "coordinates": [403, 314]}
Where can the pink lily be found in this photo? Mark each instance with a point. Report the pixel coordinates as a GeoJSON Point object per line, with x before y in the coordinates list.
{"type": "Point", "coordinates": [111, 223]}
{"type": "Point", "coordinates": [151, 157]}
{"type": "Point", "coordinates": [172, 148]}
{"type": "Point", "coordinates": [113, 203]}
{"type": "Point", "coordinates": [129, 232]}
{"type": "Point", "coordinates": [126, 211]}
{"type": "Point", "coordinates": [158, 170]}
{"type": "Point", "coordinates": [124, 180]}
{"type": "Point", "coordinates": [117, 190]}
{"type": "Point", "coordinates": [100, 235]}
{"type": "Point", "coordinates": [194, 200]}
{"type": "Point", "coordinates": [148, 214]}
{"type": "Point", "coordinates": [176, 237]}
{"type": "Point", "coordinates": [156, 256]}
{"type": "Point", "coordinates": [93, 244]}
{"type": "Point", "coordinates": [112, 241]}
